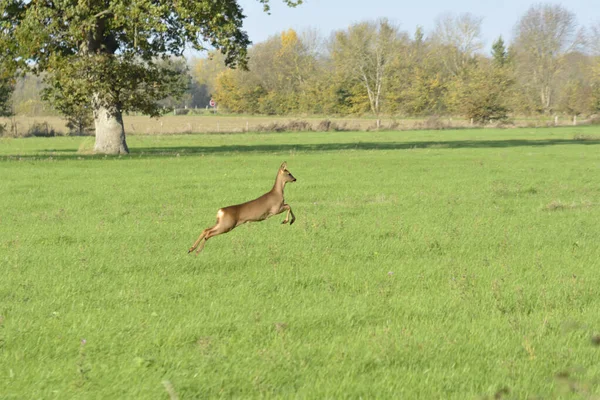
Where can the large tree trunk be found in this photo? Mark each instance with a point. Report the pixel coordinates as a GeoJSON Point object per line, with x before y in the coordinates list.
{"type": "Point", "coordinates": [110, 132]}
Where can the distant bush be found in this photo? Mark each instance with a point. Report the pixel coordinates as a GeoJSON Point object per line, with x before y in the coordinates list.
{"type": "Point", "coordinates": [536, 123]}
{"type": "Point", "coordinates": [18, 129]}
{"type": "Point", "coordinates": [594, 120]}
{"type": "Point", "coordinates": [10, 129]}
{"type": "Point", "coordinates": [326, 126]}
{"type": "Point", "coordinates": [41, 130]}
{"type": "Point", "coordinates": [80, 121]}
{"type": "Point", "coordinates": [505, 123]}
{"type": "Point", "coordinates": [181, 111]}
{"type": "Point", "coordinates": [80, 126]}
{"type": "Point", "coordinates": [433, 123]}
{"type": "Point", "coordinates": [303, 126]}
{"type": "Point", "coordinates": [271, 127]}
{"type": "Point", "coordinates": [291, 126]}
{"type": "Point", "coordinates": [37, 129]}
{"type": "Point", "coordinates": [392, 126]}
{"type": "Point", "coordinates": [299, 126]}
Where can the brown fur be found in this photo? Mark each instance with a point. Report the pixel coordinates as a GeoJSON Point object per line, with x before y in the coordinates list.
{"type": "Point", "coordinates": [267, 205]}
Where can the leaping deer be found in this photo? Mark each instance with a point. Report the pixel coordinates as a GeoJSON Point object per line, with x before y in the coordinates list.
{"type": "Point", "coordinates": [265, 206]}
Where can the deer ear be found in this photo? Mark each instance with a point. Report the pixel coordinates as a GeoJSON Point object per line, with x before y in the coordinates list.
{"type": "Point", "coordinates": [283, 166]}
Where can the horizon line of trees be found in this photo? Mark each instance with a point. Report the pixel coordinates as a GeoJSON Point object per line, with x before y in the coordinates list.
{"type": "Point", "coordinates": [551, 66]}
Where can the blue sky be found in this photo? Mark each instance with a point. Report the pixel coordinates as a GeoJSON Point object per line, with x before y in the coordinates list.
{"type": "Point", "coordinates": [499, 16]}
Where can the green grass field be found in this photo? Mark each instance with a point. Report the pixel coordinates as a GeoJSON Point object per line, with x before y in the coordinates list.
{"type": "Point", "coordinates": [432, 264]}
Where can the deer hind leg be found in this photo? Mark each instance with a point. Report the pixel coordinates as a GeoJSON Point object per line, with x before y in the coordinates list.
{"type": "Point", "coordinates": [223, 225]}
{"type": "Point", "coordinates": [287, 216]}
{"type": "Point", "coordinates": [202, 235]}
{"type": "Point", "coordinates": [214, 231]}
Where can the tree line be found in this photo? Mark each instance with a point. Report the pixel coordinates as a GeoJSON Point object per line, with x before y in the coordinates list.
{"type": "Point", "coordinates": [551, 66]}
{"type": "Point", "coordinates": [95, 61]}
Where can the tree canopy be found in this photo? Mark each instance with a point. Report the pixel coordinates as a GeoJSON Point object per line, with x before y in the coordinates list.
{"type": "Point", "coordinates": [104, 54]}
{"type": "Point", "coordinates": [370, 67]}
{"type": "Point", "coordinates": [373, 67]}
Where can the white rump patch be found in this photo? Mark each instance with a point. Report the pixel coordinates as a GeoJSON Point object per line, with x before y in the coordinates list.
{"type": "Point", "coordinates": [220, 213]}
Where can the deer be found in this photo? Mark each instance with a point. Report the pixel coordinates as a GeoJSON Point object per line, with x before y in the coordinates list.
{"type": "Point", "coordinates": [267, 205]}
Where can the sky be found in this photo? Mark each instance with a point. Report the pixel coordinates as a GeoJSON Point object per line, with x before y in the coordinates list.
{"type": "Point", "coordinates": [499, 16]}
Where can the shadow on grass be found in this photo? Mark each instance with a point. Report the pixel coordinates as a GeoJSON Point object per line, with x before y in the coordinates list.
{"type": "Point", "coordinates": [458, 144]}
{"type": "Point", "coordinates": [138, 152]}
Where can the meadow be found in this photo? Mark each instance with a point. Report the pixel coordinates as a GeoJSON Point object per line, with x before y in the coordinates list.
{"type": "Point", "coordinates": [186, 124]}
{"type": "Point", "coordinates": [422, 264]}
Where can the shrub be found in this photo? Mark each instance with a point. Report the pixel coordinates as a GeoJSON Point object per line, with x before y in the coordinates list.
{"type": "Point", "coordinates": [41, 130]}
{"type": "Point", "coordinates": [181, 111]}
{"type": "Point", "coordinates": [80, 125]}
{"type": "Point", "coordinates": [291, 126]}
{"type": "Point", "coordinates": [299, 126]}
{"type": "Point", "coordinates": [394, 125]}
{"type": "Point", "coordinates": [594, 120]}
{"type": "Point", "coordinates": [326, 126]}
{"type": "Point", "coordinates": [433, 123]}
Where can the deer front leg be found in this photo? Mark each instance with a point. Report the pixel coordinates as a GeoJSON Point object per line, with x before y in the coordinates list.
{"type": "Point", "coordinates": [289, 211]}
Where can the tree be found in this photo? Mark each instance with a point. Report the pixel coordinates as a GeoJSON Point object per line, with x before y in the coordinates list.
{"type": "Point", "coordinates": [458, 39]}
{"type": "Point", "coordinates": [7, 81]}
{"type": "Point", "coordinates": [542, 37]}
{"type": "Point", "coordinates": [5, 92]}
{"type": "Point", "coordinates": [178, 100]}
{"type": "Point", "coordinates": [105, 53]}
{"type": "Point", "coordinates": [410, 55]}
{"type": "Point", "coordinates": [205, 72]}
{"type": "Point", "coordinates": [593, 39]}
{"type": "Point", "coordinates": [426, 93]}
{"type": "Point", "coordinates": [27, 98]}
{"type": "Point", "coordinates": [575, 98]}
{"type": "Point", "coordinates": [6, 88]}
{"type": "Point", "coordinates": [481, 93]}
{"type": "Point", "coordinates": [594, 47]}
{"type": "Point", "coordinates": [280, 80]}
{"type": "Point", "coordinates": [239, 92]}
{"type": "Point", "coordinates": [363, 54]}
{"type": "Point", "coordinates": [574, 94]}
{"type": "Point", "coordinates": [499, 53]}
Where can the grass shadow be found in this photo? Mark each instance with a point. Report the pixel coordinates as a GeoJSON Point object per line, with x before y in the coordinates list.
{"type": "Point", "coordinates": [163, 151]}
{"type": "Point", "coordinates": [327, 147]}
